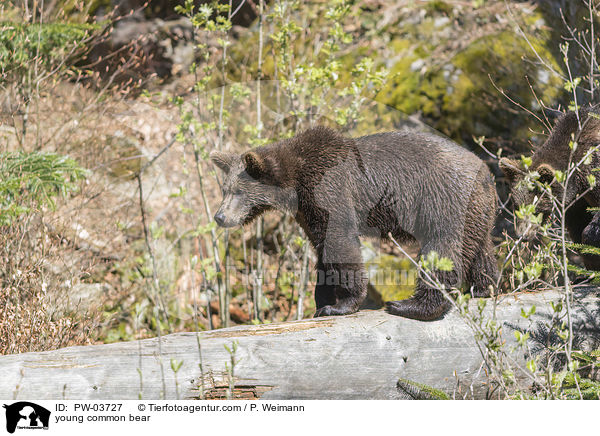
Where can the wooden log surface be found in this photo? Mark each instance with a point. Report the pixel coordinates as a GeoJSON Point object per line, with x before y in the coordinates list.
{"type": "Point", "coordinates": [360, 356]}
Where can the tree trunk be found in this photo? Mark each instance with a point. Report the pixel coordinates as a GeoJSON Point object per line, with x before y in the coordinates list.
{"type": "Point", "coordinates": [360, 356]}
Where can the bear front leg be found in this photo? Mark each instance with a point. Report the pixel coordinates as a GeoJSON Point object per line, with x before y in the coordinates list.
{"type": "Point", "coordinates": [343, 291]}
{"type": "Point", "coordinates": [324, 293]}
{"type": "Point", "coordinates": [591, 236]}
{"type": "Point", "coordinates": [483, 273]}
{"type": "Point", "coordinates": [341, 278]}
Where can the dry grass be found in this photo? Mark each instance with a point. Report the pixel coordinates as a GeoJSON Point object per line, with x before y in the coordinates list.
{"type": "Point", "coordinates": [33, 289]}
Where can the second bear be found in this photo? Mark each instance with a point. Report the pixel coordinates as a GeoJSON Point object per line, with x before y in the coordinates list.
{"type": "Point", "coordinates": [555, 154]}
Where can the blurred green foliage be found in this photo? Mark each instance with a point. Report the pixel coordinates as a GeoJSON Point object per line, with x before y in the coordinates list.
{"type": "Point", "coordinates": [49, 44]}
{"type": "Point", "coordinates": [393, 277]}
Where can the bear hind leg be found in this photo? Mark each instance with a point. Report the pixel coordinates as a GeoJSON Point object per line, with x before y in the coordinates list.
{"type": "Point", "coordinates": [426, 305]}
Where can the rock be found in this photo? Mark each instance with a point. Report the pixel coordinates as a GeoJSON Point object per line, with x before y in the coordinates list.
{"type": "Point", "coordinates": [125, 154]}
{"type": "Point", "coordinates": [417, 65]}
{"type": "Point", "coordinates": [81, 298]}
{"type": "Point", "coordinates": [440, 21]}
{"type": "Point", "coordinates": [148, 46]}
{"type": "Point", "coordinates": [156, 40]}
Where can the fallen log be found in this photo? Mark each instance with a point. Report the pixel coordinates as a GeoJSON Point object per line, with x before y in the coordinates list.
{"type": "Point", "coordinates": [360, 356]}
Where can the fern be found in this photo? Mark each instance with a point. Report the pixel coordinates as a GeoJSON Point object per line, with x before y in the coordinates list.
{"type": "Point", "coordinates": [411, 390]}
{"type": "Point", "coordinates": [32, 180]}
{"type": "Point", "coordinates": [585, 249]}
{"type": "Point", "coordinates": [573, 384]}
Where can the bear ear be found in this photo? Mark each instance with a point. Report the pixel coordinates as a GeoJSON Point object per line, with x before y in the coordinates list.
{"type": "Point", "coordinates": [510, 168]}
{"type": "Point", "coordinates": [222, 160]}
{"type": "Point", "coordinates": [546, 173]}
{"type": "Point", "coordinates": [254, 164]}
{"type": "Point", "coordinates": [259, 167]}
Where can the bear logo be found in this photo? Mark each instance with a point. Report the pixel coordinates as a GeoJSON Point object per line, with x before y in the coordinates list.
{"type": "Point", "coordinates": [24, 414]}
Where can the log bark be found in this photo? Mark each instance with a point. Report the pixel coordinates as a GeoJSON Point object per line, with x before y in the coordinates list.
{"type": "Point", "coordinates": [360, 356]}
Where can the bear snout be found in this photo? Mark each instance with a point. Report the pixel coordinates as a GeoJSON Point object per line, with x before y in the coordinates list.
{"type": "Point", "coordinates": [220, 218]}
{"type": "Point", "coordinates": [226, 221]}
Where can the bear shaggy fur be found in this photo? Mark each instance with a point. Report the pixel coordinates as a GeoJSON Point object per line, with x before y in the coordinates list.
{"type": "Point", "coordinates": [414, 186]}
{"type": "Point", "coordinates": [583, 225]}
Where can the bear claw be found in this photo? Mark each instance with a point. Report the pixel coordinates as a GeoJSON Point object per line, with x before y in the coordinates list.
{"type": "Point", "coordinates": [332, 311]}
{"type": "Point", "coordinates": [323, 311]}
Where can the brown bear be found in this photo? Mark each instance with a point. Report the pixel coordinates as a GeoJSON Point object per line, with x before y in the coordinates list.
{"type": "Point", "coordinates": [582, 224]}
{"type": "Point", "coordinates": [414, 186]}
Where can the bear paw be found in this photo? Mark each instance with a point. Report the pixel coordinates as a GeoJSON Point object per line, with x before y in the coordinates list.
{"type": "Point", "coordinates": [413, 309]}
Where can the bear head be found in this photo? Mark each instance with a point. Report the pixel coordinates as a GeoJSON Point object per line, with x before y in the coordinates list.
{"type": "Point", "coordinates": [525, 191]}
{"type": "Point", "coordinates": [252, 184]}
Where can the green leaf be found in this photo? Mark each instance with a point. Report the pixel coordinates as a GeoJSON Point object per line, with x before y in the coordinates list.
{"type": "Point", "coordinates": [591, 180]}
{"type": "Point", "coordinates": [176, 365]}
{"type": "Point", "coordinates": [570, 85]}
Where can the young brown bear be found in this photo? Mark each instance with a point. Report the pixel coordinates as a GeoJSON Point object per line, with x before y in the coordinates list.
{"type": "Point", "coordinates": [412, 185]}
{"type": "Point", "coordinates": [583, 226]}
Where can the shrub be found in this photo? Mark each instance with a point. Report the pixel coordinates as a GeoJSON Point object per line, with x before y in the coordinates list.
{"type": "Point", "coordinates": [49, 45]}
{"type": "Point", "coordinates": [32, 180]}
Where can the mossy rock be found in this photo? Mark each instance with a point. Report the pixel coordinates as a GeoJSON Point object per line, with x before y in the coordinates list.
{"type": "Point", "coordinates": [85, 10]}
{"type": "Point", "coordinates": [463, 97]}
{"type": "Point", "coordinates": [81, 10]}
{"type": "Point", "coordinates": [437, 6]}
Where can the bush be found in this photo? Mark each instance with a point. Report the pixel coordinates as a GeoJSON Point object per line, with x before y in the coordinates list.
{"type": "Point", "coordinates": [50, 45]}
{"type": "Point", "coordinates": [32, 180]}
{"type": "Point", "coordinates": [29, 183]}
